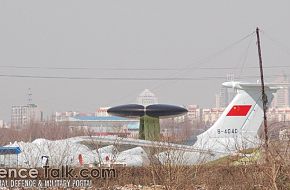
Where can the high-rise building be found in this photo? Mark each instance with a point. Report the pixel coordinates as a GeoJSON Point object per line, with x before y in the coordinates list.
{"type": "Point", "coordinates": [217, 100]}
{"type": "Point", "coordinates": [146, 98]}
{"type": "Point", "coordinates": [24, 115]}
{"type": "Point", "coordinates": [281, 98]}
{"type": "Point", "coordinates": [230, 77]}
{"type": "Point", "coordinates": [225, 95]}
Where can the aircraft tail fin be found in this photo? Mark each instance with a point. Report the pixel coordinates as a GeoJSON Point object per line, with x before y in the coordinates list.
{"type": "Point", "coordinates": [244, 115]}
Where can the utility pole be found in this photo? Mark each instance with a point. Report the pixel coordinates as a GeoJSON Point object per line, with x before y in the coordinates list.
{"type": "Point", "coordinates": [264, 96]}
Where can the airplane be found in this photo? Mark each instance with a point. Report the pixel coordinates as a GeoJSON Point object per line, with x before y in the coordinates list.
{"type": "Point", "coordinates": [235, 130]}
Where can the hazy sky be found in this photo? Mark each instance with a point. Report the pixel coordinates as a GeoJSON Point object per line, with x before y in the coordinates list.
{"type": "Point", "coordinates": [179, 35]}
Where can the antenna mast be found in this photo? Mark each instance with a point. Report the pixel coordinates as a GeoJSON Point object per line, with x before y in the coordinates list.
{"type": "Point", "coordinates": [264, 96]}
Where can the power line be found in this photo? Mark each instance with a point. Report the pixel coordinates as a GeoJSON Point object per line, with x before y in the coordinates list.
{"type": "Point", "coordinates": [245, 57]}
{"type": "Point", "coordinates": [189, 66]}
{"type": "Point", "coordinates": [141, 69]}
{"type": "Point", "coordinates": [278, 43]}
{"type": "Point", "coordinates": [127, 78]}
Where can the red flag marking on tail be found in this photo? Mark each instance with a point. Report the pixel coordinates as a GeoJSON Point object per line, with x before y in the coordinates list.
{"type": "Point", "coordinates": [239, 110]}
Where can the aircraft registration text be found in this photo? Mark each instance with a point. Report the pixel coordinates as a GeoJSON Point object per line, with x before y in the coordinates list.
{"type": "Point", "coordinates": [227, 131]}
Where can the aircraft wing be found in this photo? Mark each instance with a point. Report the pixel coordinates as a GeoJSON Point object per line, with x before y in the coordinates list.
{"type": "Point", "coordinates": [144, 143]}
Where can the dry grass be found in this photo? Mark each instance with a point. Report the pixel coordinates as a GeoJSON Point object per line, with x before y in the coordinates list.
{"type": "Point", "coordinates": [50, 130]}
{"type": "Point", "coordinates": [206, 177]}
{"type": "Point", "coordinates": [273, 173]}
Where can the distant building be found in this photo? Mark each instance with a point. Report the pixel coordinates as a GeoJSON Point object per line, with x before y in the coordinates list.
{"type": "Point", "coordinates": [218, 100]}
{"type": "Point", "coordinates": [209, 116]}
{"type": "Point", "coordinates": [223, 99]}
{"type": "Point", "coordinates": [102, 112]}
{"type": "Point", "coordinates": [279, 114]}
{"type": "Point", "coordinates": [99, 123]}
{"type": "Point", "coordinates": [225, 96]}
{"type": "Point", "coordinates": [3, 124]}
{"type": "Point", "coordinates": [24, 115]}
{"type": "Point", "coordinates": [194, 113]}
{"type": "Point", "coordinates": [105, 125]}
{"type": "Point", "coordinates": [281, 98]}
{"type": "Point", "coordinates": [146, 98]}
{"type": "Point", "coordinates": [64, 116]}
{"type": "Point", "coordinates": [133, 130]}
